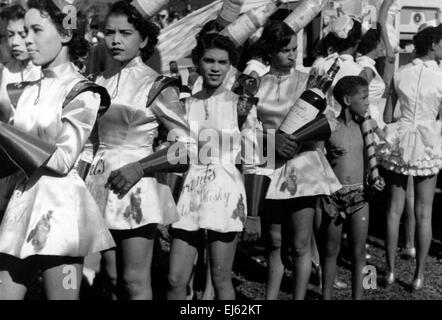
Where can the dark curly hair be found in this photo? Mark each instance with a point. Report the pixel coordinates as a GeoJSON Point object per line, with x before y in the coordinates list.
{"type": "Point", "coordinates": [78, 46]}
{"type": "Point", "coordinates": [353, 38]}
{"type": "Point", "coordinates": [276, 35]}
{"type": "Point", "coordinates": [323, 46]}
{"type": "Point", "coordinates": [213, 26]}
{"type": "Point", "coordinates": [370, 40]}
{"type": "Point", "coordinates": [348, 86]}
{"type": "Point", "coordinates": [146, 28]}
{"type": "Point", "coordinates": [212, 41]}
{"type": "Point", "coordinates": [423, 40]}
{"type": "Point", "coordinates": [13, 13]}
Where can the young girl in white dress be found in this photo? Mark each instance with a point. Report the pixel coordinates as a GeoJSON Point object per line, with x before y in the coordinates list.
{"type": "Point", "coordinates": [126, 134]}
{"type": "Point", "coordinates": [372, 48]}
{"type": "Point", "coordinates": [414, 146]}
{"type": "Point", "coordinates": [299, 179]}
{"type": "Point", "coordinates": [345, 35]}
{"type": "Point", "coordinates": [213, 196]}
{"type": "Point", "coordinates": [19, 69]}
{"type": "Point", "coordinates": [52, 222]}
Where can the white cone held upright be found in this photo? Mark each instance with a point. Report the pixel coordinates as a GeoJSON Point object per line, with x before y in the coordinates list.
{"type": "Point", "coordinates": [229, 12]}
{"type": "Point", "coordinates": [149, 8]}
{"type": "Point", "coordinates": [246, 25]}
{"type": "Point", "coordinates": [304, 13]}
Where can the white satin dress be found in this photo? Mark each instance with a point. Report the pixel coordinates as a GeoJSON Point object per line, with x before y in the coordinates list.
{"type": "Point", "coordinates": [213, 195]}
{"type": "Point", "coordinates": [308, 173]}
{"type": "Point", "coordinates": [13, 72]}
{"type": "Point", "coordinates": [126, 134]}
{"type": "Point", "coordinates": [53, 213]}
{"type": "Point", "coordinates": [415, 140]}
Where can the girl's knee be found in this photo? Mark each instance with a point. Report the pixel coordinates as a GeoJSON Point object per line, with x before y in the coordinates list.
{"type": "Point", "coordinates": [275, 240]}
{"type": "Point", "coordinates": [177, 280]}
{"type": "Point", "coordinates": [134, 280]}
{"type": "Point", "coordinates": [301, 248]}
{"type": "Point", "coordinates": [331, 250]}
{"type": "Point", "coordinates": [359, 254]}
{"type": "Point", "coordinates": [423, 210]}
{"type": "Point", "coordinates": [112, 278]}
{"type": "Point", "coordinates": [395, 210]}
{"type": "Point", "coordinates": [111, 275]}
{"type": "Point", "coordinates": [221, 275]}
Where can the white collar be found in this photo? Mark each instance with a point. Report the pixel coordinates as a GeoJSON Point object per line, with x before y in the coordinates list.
{"type": "Point", "coordinates": [367, 59]}
{"type": "Point", "coordinates": [346, 57]}
{"type": "Point", "coordinates": [429, 64]}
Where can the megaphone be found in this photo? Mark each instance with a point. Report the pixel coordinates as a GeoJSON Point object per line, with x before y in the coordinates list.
{"type": "Point", "coordinates": [316, 130]}
{"type": "Point", "coordinates": [256, 190]}
{"type": "Point", "coordinates": [21, 151]}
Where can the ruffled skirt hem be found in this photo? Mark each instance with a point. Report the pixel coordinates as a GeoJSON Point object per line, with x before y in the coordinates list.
{"type": "Point", "coordinates": [413, 149]}
{"type": "Point", "coordinates": [422, 168]}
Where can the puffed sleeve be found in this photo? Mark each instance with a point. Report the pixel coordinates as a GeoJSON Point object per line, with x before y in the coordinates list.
{"type": "Point", "coordinates": [77, 121]}
{"type": "Point", "coordinates": [252, 143]}
{"type": "Point", "coordinates": [172, 114]}
{"type": "Point", "coordinates": [91, 146]}
{"type": "Point", "coordinates": [6, 110]}
{"type": "Point", "coordinates": [87, 155]}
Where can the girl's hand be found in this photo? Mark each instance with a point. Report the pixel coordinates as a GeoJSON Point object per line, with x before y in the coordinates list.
{"type": "Point", "coordinates": [379, 184]}
{"type": "Point", "coordinates": [252, 229]}
{"type": "Point", "coordinates": [285, 145]}
{"type": "Point", "coordinates": [122, 180]}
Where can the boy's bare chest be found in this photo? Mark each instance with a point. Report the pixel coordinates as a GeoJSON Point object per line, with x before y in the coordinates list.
{"type": "Point", "coordinates": [348, 138]}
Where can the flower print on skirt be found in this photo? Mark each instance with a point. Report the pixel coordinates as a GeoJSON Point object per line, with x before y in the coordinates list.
{"type": "Point", "coordinates": [148, 202]}
{"type": "Point", "coordinates": [307, 174]}
{"type": "Point", "coordinates": [53, 216]}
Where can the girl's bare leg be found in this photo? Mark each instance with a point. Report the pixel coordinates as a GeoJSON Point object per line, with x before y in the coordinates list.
{"type": "Point", "coordinates": [13, 278]}
{"type": "Point", "coordinates": [62, 277]}
{"type": "Point", "coordinates": [109, 266]}
{"type": "Point", "coordinates": [275, 268]}
{"type": "Point", "coordinates": [134, 260]}
{"type": "Point", "coordinates": [301, 225]}
{"type": "Point", "coordinates": [209, 291]}
{"type": "Point", "coordinates": [358, 225]}
{"type": "Point", "coordinates": [409, 219]}
{"type": "Point", "coordinates": [398, 184]}
{"type": "Point", "coordinates": [330, 244]}
{"type": "Point", "coordinates": [424, 187]}
{"type": "Point", "coordinates": [183, 251]}
{"type": "Point", "coordinates": [222, 253]}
